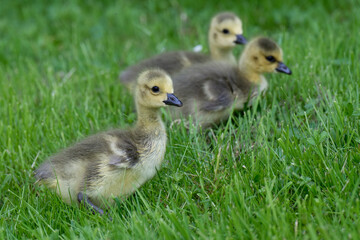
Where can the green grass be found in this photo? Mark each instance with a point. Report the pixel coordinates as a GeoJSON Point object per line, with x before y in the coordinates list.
{"type": "Point", "coordinates": [288, 168]}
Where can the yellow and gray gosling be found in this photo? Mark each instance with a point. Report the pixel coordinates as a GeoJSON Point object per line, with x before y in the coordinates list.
{"type": "Point", "coordinates": [224, 33]}
{"type": "Point", "coordinates": [117, 162]}
{"type": "Point", "coordinates": [211, 90]}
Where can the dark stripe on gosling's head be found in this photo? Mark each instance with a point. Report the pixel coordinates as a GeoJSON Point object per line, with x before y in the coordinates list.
{"type": "Point", "coordinates": [225, 16]}
{"type": "Point", "coordinates": [267, 44]}
{"type": "Point", "coordinates": [155, 73]}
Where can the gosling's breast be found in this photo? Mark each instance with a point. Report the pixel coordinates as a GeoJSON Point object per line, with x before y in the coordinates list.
{"type": "Point", "coordinates": [151, 156]}
{"type": "Point", "coordinates": [263, 85]}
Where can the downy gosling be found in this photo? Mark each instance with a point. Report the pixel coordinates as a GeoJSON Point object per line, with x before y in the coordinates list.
{"type": "Point", "coordinates": [224, 33]}
{"type": "Point", "coordinates": [117, 162]}
{"type": "Point", "coordinates": [211, 90]}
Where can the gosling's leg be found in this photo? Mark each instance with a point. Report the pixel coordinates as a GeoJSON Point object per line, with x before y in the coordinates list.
{"type": "Point", "coordinates": [83, 199]}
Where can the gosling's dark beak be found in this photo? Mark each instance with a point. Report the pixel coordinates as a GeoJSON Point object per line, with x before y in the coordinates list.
{"type": "Point", "coordinates": [283, 68]}
{"type": "Point", "coordinates": [240, 39]}
{"type": "Point", "coordinates": [172, 100]}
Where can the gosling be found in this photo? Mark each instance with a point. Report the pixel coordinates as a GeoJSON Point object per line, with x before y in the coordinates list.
{"type": "Point", "coordinates": [224, 33]}
{"type": "Point", "coordinates": [117, 162]}
{"type": "Point", "coordinates": [212, 90]}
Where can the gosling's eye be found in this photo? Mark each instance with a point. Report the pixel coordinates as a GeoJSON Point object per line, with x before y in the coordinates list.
{"type": "Point", "coordinates": [270, 58]}
{"type": "Point", "coordinates": [155, 89]}
{"type": "Point", "coordinates": [225, 31]}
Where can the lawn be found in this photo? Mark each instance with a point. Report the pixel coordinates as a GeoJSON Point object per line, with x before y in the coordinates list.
{"type": "Point", "coordinates": [287, 168]}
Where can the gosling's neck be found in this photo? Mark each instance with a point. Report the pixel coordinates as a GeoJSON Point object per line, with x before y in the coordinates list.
{"type": "Point", "coordinates": [222, 54]}
{"type": "Point", "coordinates": [250, 72]}
{"type": "Point", "coordinates": [149, 119]}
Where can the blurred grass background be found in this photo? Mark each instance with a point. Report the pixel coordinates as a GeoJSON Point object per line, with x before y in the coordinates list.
{"type": "Point", "coordinates": [288, 168]}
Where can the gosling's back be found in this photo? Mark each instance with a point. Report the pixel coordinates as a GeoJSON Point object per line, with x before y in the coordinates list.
{"type": "Point", "coordinates": [170, 62]}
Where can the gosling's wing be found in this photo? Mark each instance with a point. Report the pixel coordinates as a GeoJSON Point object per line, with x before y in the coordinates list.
{"type": "Point", "coordinates": [126, 157]}
{"type": "Point", "coordinates": [123, 149]}
{"type": "Point", "coordinates": [218, 95]}
{"type": "Point", "coordinates": [207, 84]}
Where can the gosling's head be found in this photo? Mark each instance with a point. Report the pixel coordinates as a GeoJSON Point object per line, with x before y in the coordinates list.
{"type": "Point", "coordinates": [155, 89]}
{"type": "Point", "coordinates": [262, 55]}
{"type": "Point", "coordinates": [226, 31]}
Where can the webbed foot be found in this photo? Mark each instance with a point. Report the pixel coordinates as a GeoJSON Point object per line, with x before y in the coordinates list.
{"type": "Point", "coordinates": [83, 199]}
